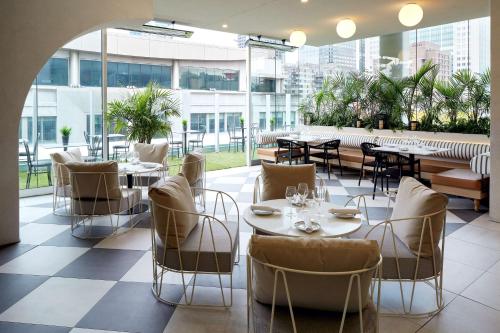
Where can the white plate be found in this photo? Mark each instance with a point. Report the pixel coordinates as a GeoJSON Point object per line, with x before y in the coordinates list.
{"type": "Point", "coordinates": [344, 216]}
{"type": "Point", "coordinates": [262, 212]}
{"type": "Point", "coordinates": [148, 165]}
{"type": "Point", "coordinates": [314, 226]}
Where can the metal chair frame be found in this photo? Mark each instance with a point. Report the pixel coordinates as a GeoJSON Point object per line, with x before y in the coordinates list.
{"type": "Point", "coordinates": [200, 136]}
{"type": "Point", "coordinates": [234, 138]}
{"type": "Point", "coordinates": [291, 151]}
{"type": "Point", "coordinates": [387, 224]}
{"type": "Point", "coordinates": [327, 154]}
{"type": "Point", "coordinates": [81, 220]}
{"type": "Point", "coordinates": [354, 278]}
{"type": "Point", "coordinates": [159, 270]}
{"type": "Point", "coordinates": [36, 168]}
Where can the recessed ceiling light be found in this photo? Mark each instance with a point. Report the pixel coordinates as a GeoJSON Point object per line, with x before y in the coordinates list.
{"type": "Point", "coordinates": [411, 14]}
{"type": "Point", "coordinates": [224, 25]}
{"type": "Point", "coordinates": [304, 1]}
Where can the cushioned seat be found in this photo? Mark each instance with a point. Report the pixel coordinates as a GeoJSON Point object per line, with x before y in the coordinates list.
{"type": "Point", "coordinates": [130, 198]}
{"type": "Point", "coordinates": [463, 183]}
{"type": "Point", "coordinates": [154, 152]}
{"type": "Point", "coordinates": [463, 178]}
{"type": "Point", "coordinates": [226, 253]}
{"type": "Point", "coordinates": [407, 259]}
{"type": "Point", "coordinates": [312, 321]}
{"type": "Point", "coordinates": [276, 178]}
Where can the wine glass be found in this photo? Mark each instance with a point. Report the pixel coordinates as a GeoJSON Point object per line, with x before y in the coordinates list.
{"type": "Point", "coordinates": [290, 193]}
{"type": "Point", "coordinates": [303, 191]}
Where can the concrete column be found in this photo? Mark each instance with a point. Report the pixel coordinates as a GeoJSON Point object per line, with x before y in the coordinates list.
{"type": "Point", "coordinates": [74, 68]}
{"type": "Point", "coordinates": [495, 112]}
{"type": "Point", "coordinates": [217, 115]}
{"type": "Point", "coordinates": [175, 74]}
{"type": "Point", "coordinates": [391, 46]}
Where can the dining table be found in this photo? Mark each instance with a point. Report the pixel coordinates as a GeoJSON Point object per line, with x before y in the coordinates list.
{"type": "Point", "coordinates": [411, 150]}
{"type": "Point", "coordinates": [282, 223]}
{"type": "Point", "coordinates": [184, 138]}
{"type": "Point", "coordinates": [306, 140]}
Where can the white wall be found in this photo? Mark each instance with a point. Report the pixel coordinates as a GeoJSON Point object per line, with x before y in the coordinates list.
{"type": "Point", "coordinates": [34, 30]}
{"type": "Point", "coordinates": [495, 111]}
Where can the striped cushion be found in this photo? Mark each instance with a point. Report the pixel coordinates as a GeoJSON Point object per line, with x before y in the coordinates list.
{"type": "Point", "coordinates": [458, 150]}
{"type": "Point", "coordinates": [267, 138]}
{"type": "Point", "coordinates": [354, 140]}
{"type": "Point", "coordinates": [481, 164]}
{"type": "Point", "coordinates": [391, 140]}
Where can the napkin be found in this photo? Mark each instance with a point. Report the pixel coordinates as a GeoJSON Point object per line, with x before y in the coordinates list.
{"type": "Point", "coordinates": [344, 211]}
{"type": "Point", "coordinates": [264, 208]}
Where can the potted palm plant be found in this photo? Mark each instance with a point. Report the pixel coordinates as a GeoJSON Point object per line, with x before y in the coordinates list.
{"type": "Point", "coordinates": [272, 122]}
{"type": "Point", "coordinates": [184, 125]}
{"type": "Point", "coordinates": [144, 114]}
{"type": "Point", "coordinates": [65, 133]}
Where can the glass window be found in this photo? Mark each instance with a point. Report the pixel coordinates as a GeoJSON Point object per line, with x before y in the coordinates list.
{"type": "Point", "coordinates": [90, 73]}
{"type": "Point", "coordinates": [97, 124]}
{"type": "Point", "coordinates": [263, 84]}
{"type": "Point", "coordinates": [262, 120]}
{"type": "Point", "coordinates": [198, 78]}
{"type": "Point", "coordinates": [122, 79]}
{"type": "Point", "coordinates": [47, 129]}
{"type": "Point", "coordinates": [134, 71]}
{"type": "Point", "coordinates": [211, 123]}
{"type": "Point", "coordinates": [198, 121]}
{"type": "Point", "coordinates": [145, 75]}
{"type": "Point", "coordinates": [222, 121]}
{"type": "Point", "coordinates": [54, 72]}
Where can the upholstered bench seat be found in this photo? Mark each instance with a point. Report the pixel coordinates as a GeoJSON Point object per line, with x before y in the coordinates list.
{"type": "Point", "coordinates": [226, 255]}
{"type": "Point", "coordinates": [269, 154]}
{"type": "Point", "coordinates": [462, 182]}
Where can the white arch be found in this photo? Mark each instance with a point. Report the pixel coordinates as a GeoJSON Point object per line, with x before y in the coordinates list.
{"type": "Point", "coordinates": [30, 32]}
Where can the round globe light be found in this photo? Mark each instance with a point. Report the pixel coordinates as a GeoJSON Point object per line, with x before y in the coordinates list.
{"type": "Point", "coordinates": [411, 15]}
{"type": "Point", "coordinates": [298, 38]}
{"type": "Point", "coordinates": [346, 28]}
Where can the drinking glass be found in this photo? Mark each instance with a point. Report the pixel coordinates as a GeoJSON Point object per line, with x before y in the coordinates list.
{"type": "Point", "coordinates": [303, 191]}
{"type": "Point", "coordinates": [290, 193]}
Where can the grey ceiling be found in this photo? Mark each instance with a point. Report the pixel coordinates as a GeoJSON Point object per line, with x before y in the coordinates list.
{"type": "Point", "coordinates": [318, 18]}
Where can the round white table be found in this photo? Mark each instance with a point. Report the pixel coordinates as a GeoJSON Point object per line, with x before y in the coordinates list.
{"type": "Point", "coordinates": [281, 224]}
{"type": "Point", "coordinates": [132, 170]}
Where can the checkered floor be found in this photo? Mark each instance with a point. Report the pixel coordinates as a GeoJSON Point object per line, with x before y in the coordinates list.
{"type": "Point", "coordinates": [53, 282]}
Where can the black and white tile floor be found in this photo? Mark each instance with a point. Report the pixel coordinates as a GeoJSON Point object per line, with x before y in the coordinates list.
{"type": "Point", "coordinates": [53, 282]}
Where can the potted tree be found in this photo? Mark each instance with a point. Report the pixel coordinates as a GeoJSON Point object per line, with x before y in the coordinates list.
{"type": "Point", "coordinates": [65, 133]}
{"type": "Point", "coordinates": [272, 122]}
{"type": "Point", "coordinates": [145, 113]}
{"type": "Point", "coordinates": [184, 125]}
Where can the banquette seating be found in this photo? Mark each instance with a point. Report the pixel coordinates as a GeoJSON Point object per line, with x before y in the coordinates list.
{"type": "Point", "coordinates": [351, 155]}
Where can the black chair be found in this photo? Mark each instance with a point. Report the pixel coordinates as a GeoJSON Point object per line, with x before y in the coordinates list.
{"type": "Point", "coordinates": [330, 151]}
{"type": "Point", "coordinates": [390, 165]}
{"type": "Point", "coordinates": [235, 137]}
{"type": "Point", "coordinates": [200, 136]}
{"type": "Point", "coordinates": [175, 145]}
{"type": "Point", "coordinates": [290, 150]}
{"type": "Point", "coordinates": [36, 167]}
{"type": "Point", "coordinates": [366, 148]}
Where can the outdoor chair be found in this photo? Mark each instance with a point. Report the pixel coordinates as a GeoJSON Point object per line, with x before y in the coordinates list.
{"type": "Point", "coordinates": [328, 151]}
{"type": "Point", "coordinates": [62, 188]}
{"type": "Point", "coordinates": [191, 243]}
{"type": "Point", "coordinates": [120, 149]}
{"type": "Point", "coordinates": [94, 146]}
{"type": "Point", "coordinates": [390, 165]}
{"type": "Point", "coordinates": [198, 141]}
{"type": "Point", "coordinates": [289, 151]}
{"type": "Point", "coordinates": [412, 241]}
{"type": "Point", "coordinates": [312, 285]}
{"type": "Point", "coordinates": [96, 192]}
{"type": "Point", "coordinates": [235, 137]}
{"type": "Point", "coordinates": [368, 159]}
{"type": "Point", "coordinates": [175, 144]}
{"type": "Point", "coordinates": [152, 153]}
{"type": "Point", "coordinates": [36, 167]}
